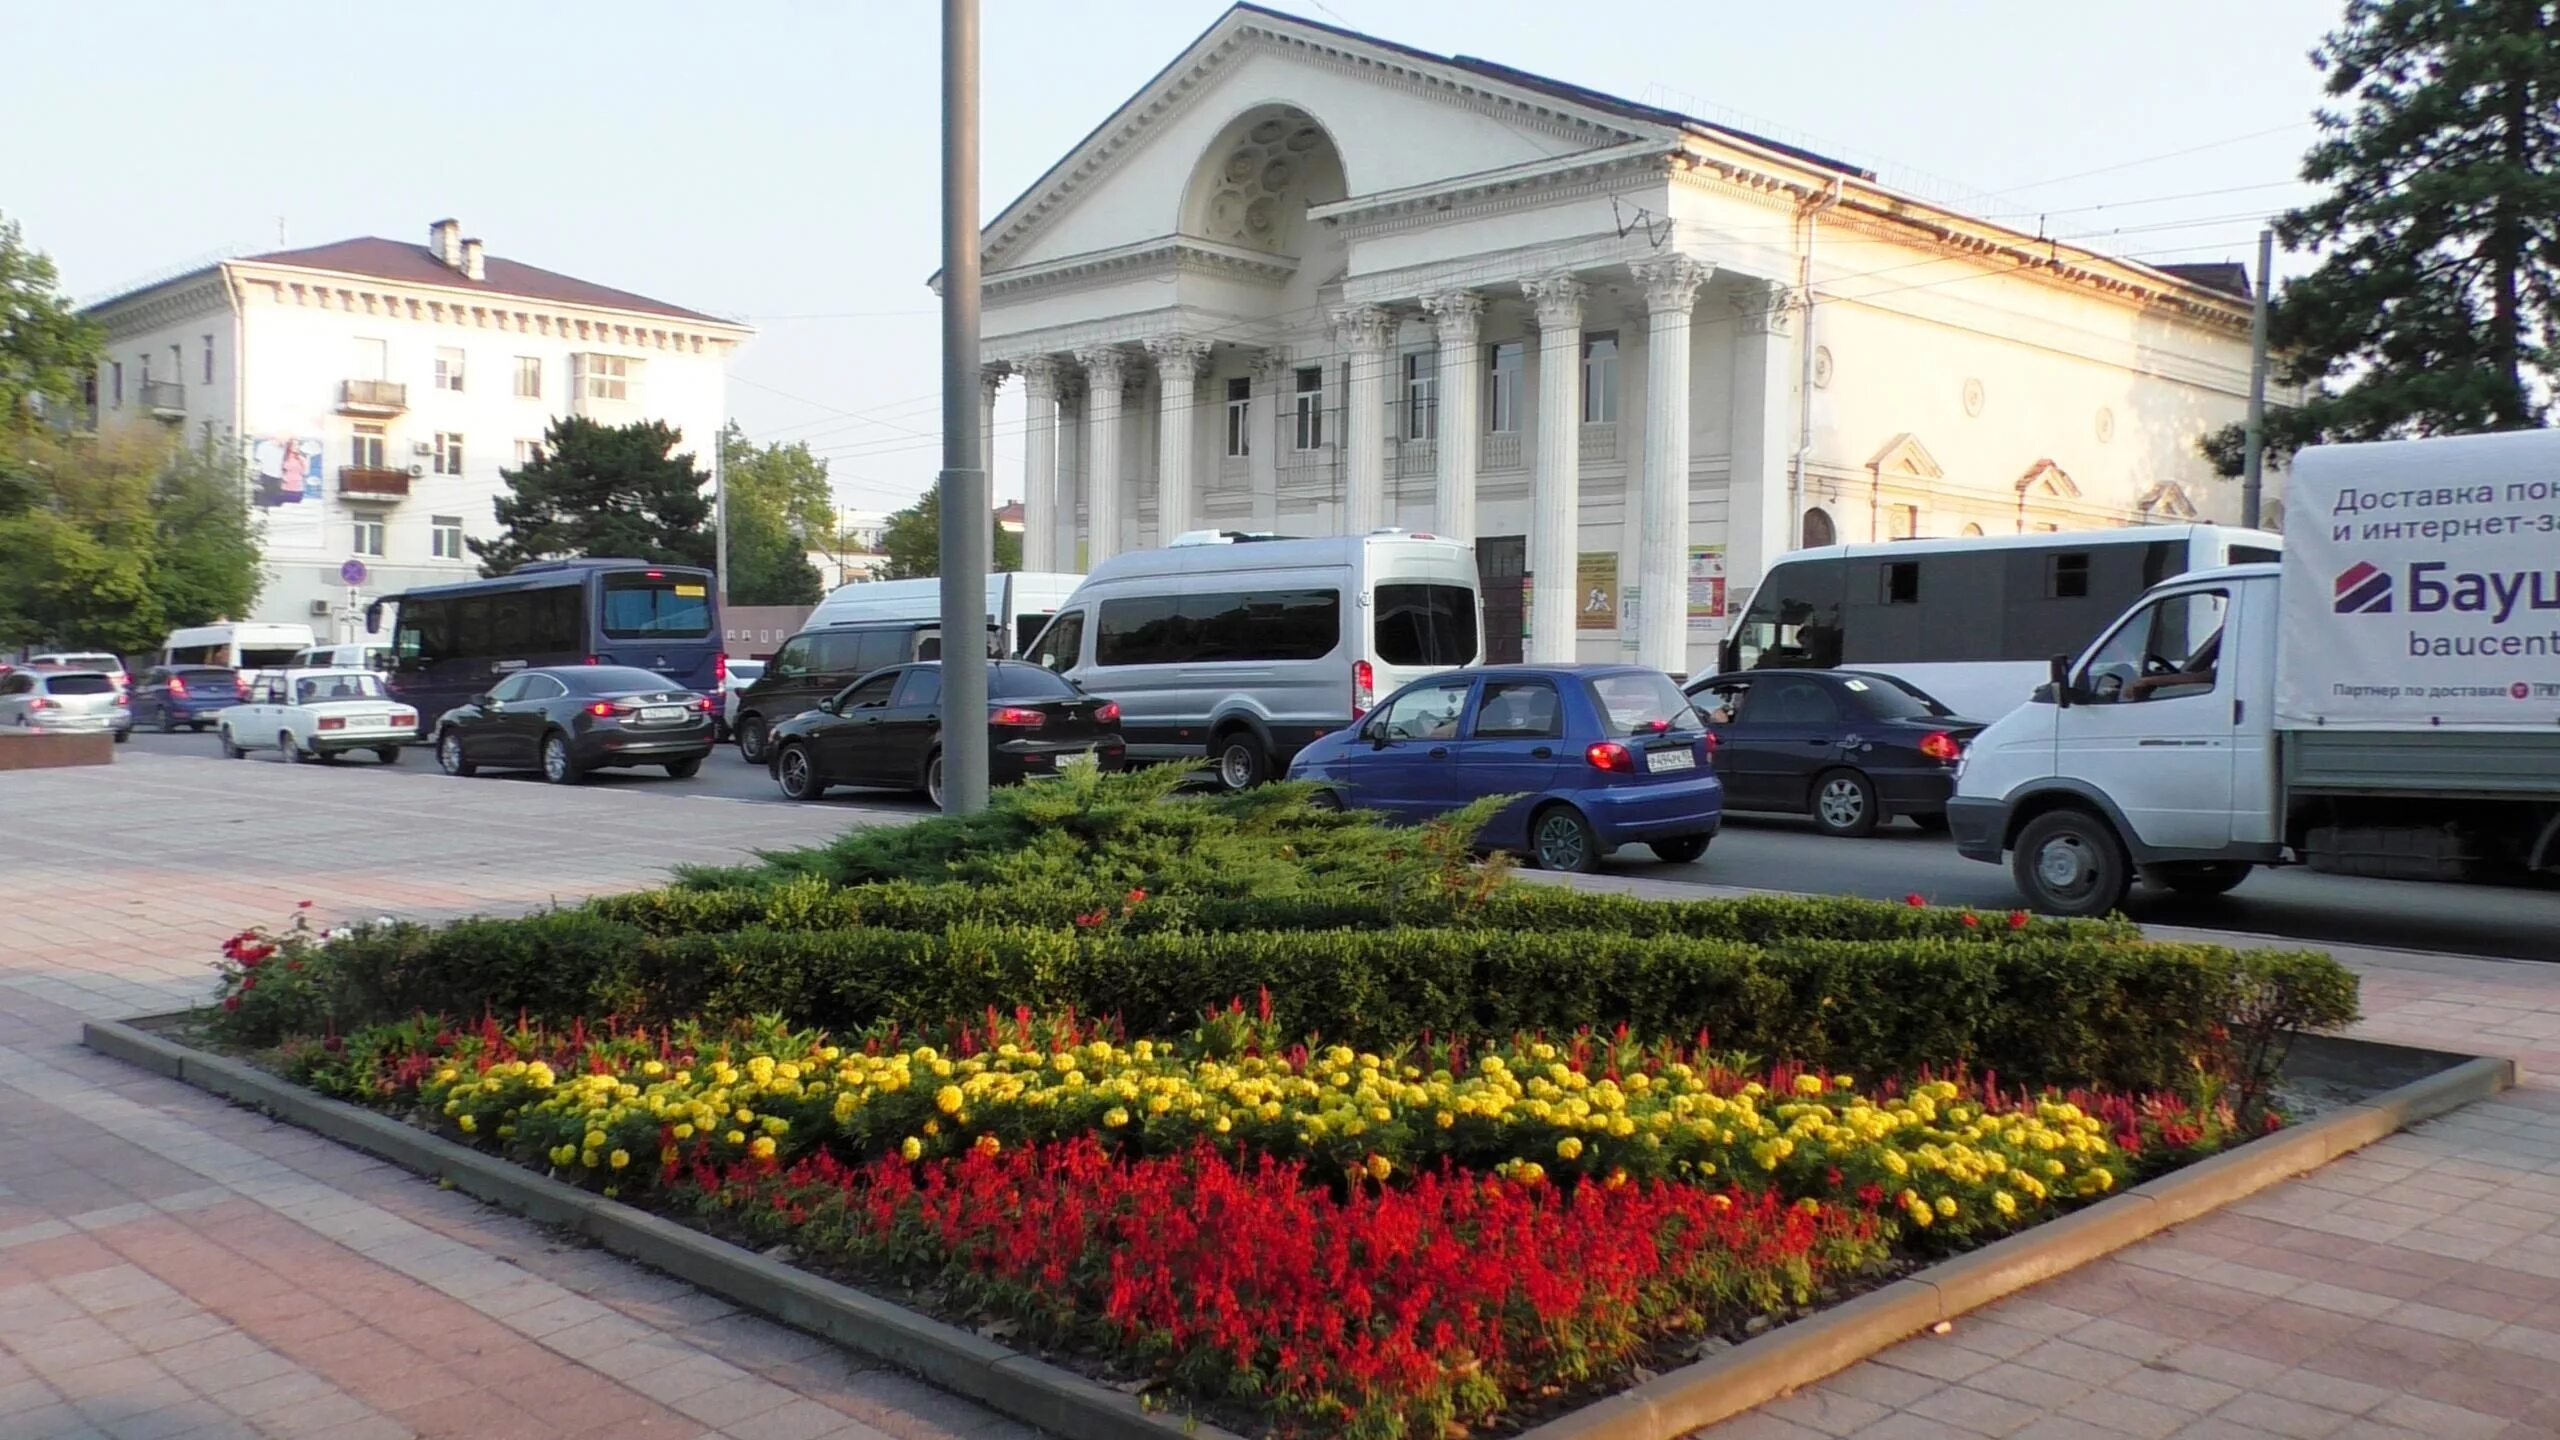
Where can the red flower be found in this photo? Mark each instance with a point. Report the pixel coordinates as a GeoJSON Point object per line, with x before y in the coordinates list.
{"type": "Point", "coordinates": [302, 905]}
{"type": "Point", "coordinates": [1913, 900]}
{"type": "Point", "coordinates": [2017, 919]}
{"type": "Point", "coordinates": [1972, 921]}
{"type": "Point", "coordinates": [230, 1002]}
{"type": "Point", "coordinates": [1137, 897]}
{"type": "Point", "coordinates": [1090, 918]}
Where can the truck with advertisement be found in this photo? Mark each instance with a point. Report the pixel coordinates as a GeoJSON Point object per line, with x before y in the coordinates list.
{"type": "Point", "coordinates": [2384, 701]}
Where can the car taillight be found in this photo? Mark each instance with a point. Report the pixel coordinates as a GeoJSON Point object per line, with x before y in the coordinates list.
{"type": "Point", "coordinates": [1109, 714]}
{"type": "Point", "coordinates": [1016, 716]}
{"type": "Point", "coordinates": [1364, 688]}
{"type": "Point", "coordinates": [177, 687]}
{"type": "Point", "coordinates": [1707, 746]}
{"type": "Point", "coordinates": [122, 698]}
{"type": "Point", "coordinates": [702, 703]}
{"type": "Point", "coordinates": [1939, 745]}
{"type": "Point", "coordinates": [603, 709]}
{"type": "Point", "coordinates": [1611, 756]}
{"type": "Point", "coordinates": [404, 717]}
{"type": "Point", "coordinates": [333, 722]}
{"type": "Point", "coordinates": [41, 703]}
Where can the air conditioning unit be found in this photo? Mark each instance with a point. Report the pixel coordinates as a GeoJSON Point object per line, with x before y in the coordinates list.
{"type": "Point", "coordinates": [319, 607]}
{"type": "Point", "coordinates": [417, 470]}
{"type": "Point", "coordinates": [421, 447]}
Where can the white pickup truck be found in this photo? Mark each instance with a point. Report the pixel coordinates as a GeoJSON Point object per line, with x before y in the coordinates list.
{"type": "Point", "coordinates": [318, 715]}
{"type": "Point", "coordinates": [2385, 702]}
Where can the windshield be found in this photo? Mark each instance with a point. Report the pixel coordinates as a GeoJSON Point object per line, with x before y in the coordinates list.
{"type": "Point", "coordinates": [78, 685]}
{"type": "Point", "coordinates": [650, 603]}
{"type": "Point", "coordinates": [614, 679]}
{"type": "Point", "coordinates": [746, 669]}
{"type": "Point", "coordinates": [1641, 703]}
{"type": "Point", "coordinates": [267, 659]}
{"type": "Point", "coordinates": [347, 685]}
{"type": "Point", "coordinates": [1027, 682]}
{"type": "Point", "coordinates": [1426, 625]}
{"type": "Point", "coordinates": [1882, 697]}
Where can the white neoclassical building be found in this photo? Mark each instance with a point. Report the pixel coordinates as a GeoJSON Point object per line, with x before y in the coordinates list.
{"type": "Point", "coordinates": [1312, 281]}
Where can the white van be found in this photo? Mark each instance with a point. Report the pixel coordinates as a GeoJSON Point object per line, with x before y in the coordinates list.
{"type": "Point", "coordinates": [1019, 603]}
{"type": "Point", "coordinates": [1246, 648]}
{"type": "Point", "coordinates": [248, 647]}
{"type": "Point", "coordinates": [377, 658]}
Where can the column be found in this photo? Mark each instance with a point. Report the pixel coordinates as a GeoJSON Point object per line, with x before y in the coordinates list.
{"type": "Point", "coordinates": [1761, 525]}
{"type": "Point", "coordinates": [1072, 433]}
{"type": "Point", "coordinates": [1178, 359]}
{"type": "Point", "coordinates": [1457, 320]}
{"type": "Point", "coordinates": [1272, 374]}
{"type": "Point", "coordinates": [1670, 290]}
{"type": "Point", "coordinates": [1367, 334]}
{"type": "Point", "coordinates": [1555, 507]}
{"type": "Point", "coordinates": [1040, 504]}
{"type": "Point", "coordinates": [991, 378]}
{"type": "Point", "coordinates": [1104, 371]}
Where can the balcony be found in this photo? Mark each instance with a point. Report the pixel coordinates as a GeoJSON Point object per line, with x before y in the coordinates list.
{"type": "Point", "coordinates": [1501, 451]}
{"type": "Point", "coordinates": [372, 397]}
{"type": "Point", "coordinates": [366, 482]}
{"type": "Point", "coordinates": [1600, 443]}
{"type": "Point", "coordinates": [165, 399]}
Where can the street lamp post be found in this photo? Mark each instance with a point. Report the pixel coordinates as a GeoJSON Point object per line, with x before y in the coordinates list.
{"type": "Point", "coordinates": [966, 515]}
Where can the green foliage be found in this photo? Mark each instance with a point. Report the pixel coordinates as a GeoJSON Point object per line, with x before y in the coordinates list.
{"type": "Point", "coordinates": [913, 541]}
{"type": "Point", "coordinates": [604, 490]}
{"type": "Point", "coordinates": [46, 346]}
{"type": "Point", "coordinates": [2434, 306]}
{"type": "Point", "coordinates": [115, 539]}
{"type": "Point", "coordinates": [780, 506]}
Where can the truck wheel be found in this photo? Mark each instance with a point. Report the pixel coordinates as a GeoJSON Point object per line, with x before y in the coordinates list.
{"type": "Point", "coordinates": [754, 739]}
{"type": "Point", "coordinates": [2199, 879]}
{"type": "Point", "coordinates": [2069, 862]}
{"type": "Point", "coordinates": [1242, 762]}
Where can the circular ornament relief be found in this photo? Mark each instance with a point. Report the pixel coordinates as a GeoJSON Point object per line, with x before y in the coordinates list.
{"type": "Point", "coordinates": [1973, 397]}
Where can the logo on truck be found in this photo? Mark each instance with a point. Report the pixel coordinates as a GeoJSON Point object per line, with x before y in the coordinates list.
{"type": "Point", "coordinates": [2364, 589]}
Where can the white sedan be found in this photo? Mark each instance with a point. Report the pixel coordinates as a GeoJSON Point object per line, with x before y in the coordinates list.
{"type": "Point", "coordinates": [318, 715]}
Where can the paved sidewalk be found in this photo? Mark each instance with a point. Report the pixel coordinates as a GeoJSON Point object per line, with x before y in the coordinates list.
{"type": "Point", "coordinates": [171, 1266]}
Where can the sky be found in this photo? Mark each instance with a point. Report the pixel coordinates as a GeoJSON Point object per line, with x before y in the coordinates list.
{"type": "Point", "coordinates": [778, 161]}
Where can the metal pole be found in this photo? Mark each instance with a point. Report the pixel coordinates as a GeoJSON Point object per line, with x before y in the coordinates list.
{"type": "Point", "coordinates": [967, 518]}
{"type": "Point", "coordinates": [720, 520]}
{"type": "Point", "coordinates": [2253, 465]}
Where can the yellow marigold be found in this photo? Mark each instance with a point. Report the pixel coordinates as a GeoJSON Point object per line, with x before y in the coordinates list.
{"type": "Point", "coordinates": [468, 1124]}
{"type": "Point", "coordinates": [1380, 1167]}
{"type": "Point", "coordinates": [1115, 1117]}
{"type": "Point", "coordinates": [761, 1148]}
{"type": "Point", "coordinates": [989, 1145]}
{"type": "Point", "coordinates": [947, 1099]}
{"type": "Point", "coordinates": [684, 1132]}
{"type": "Point", "coordinates": [736, 1137]}
{"type": "Point", "coordinates": [595, 1140]}
{"type": "Point", "coordinates": [619, 1158]}
{"type": "Point", "coordinates": [653, 1067]}
{"type": "Point", "coordinates": [911, 1148]}
{"type": "Point", "coordinates": [2004, 1202]}
{"type": "Point", "coordinates": [1808, 1085]}
{"type": "Point", "coordinates": [1947, 1207]}
{"type": "Point", "coordinates": [1570, 1147]}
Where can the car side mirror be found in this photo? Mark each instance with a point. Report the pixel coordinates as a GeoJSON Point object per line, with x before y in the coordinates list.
{"type": "Point", "coordinates": [1375, 732]}
{"type": "Point", "coordinates": [2058, 669]}
{"type": "Point", "coordinates": [483, 700]}
{"type": "Point", "coordinates": [828, 705]}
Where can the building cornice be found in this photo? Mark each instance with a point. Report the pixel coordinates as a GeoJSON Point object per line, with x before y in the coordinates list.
{"type": "Point", "coordinates": [198, 293]}
{"type": "Point", "coordinates": [1162, 256]}
{"type": "Point", "coordinates": [372, 297]}
{"type": "Point", "coordinates": [1552, 181]}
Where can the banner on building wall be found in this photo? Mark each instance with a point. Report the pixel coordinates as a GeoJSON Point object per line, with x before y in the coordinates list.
{"type": "Point", "coordinates": [1706, 587]}
{"type": "Point", "coordinates": [287, 471]}
{"type": "Point", "coordinates": [1596, 590]}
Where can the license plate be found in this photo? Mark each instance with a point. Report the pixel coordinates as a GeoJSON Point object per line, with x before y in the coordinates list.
{"type": "Point", "coordinates": [373, 721]}
{"type": "Point", "coordinates": [661, 712]}
{"type": "Point", "coordinates": [1081, 760]}
{"type": "Point", "coordinates": [1659, 761]}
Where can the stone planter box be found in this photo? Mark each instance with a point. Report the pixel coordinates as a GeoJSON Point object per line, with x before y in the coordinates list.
{"type": "Point", "coordinates": [19, 751]}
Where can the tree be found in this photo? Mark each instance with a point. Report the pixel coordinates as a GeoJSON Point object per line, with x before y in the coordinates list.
{"type": "Point", "coordinates": [46, 347]}
{"type": "Point", "coordinates": [602, 490]}
{"type": "Point", "coordinates": [2434, 306]}
{"type": "Point", "coordinates": [780, 506]}
{"type": "Point", "coordinates": [913, 541]}
{"type": "Point", "coordinates": [114, 540]}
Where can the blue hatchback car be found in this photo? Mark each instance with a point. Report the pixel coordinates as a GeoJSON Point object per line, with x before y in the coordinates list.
{"type": "Point", "coordinates": [1602, 756]}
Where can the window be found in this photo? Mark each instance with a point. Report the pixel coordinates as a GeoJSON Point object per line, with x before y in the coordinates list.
{"type": "Point", "coordinates": [1425, 712]}
{"type": "Point", "coordinates": [1901, 583]}
{"type": "Point", "coordinates": [1310, 412]}
{"type": "Point", "coordinates": [1641, 703]}
{"type": "Point", "coordinates": [1425, 624]}
{"type": "Point", "coordinates": [1600, 379]}
{"type": "Point", "coordinates": [1250, 626]}
{"type": "Point", "coordinates": [448, 368]}
{"type": "Point", "coordinates": [368, 536]}
{"type": "Point", "coordinates": [1239, 417]}
{"type": "Point", "coordinates": [1794, 620]}
{"type": "Point", "coordinates": [444, 536]}
{"type": "Point", "coordinates": [1882, 697]}
{"type": "Point", "coordinates": [2066, 576]}
{"type": "Point", "coordinates": [115, 371]}
{"type": "Point", "coordinates": [365, 452]}
{"type": "Point", "coordinates": [793, 660]}
{"type": "Point", "coordinates": [606, 377]}
{"type": "Point", "coordinates": [2168, 651]}
{"type": "Point", "coordinates": [1027, 682]}
{"type": "Point", "coordinates": [921, 688]}
{"type": "Point", "coordinates": [1519, 710]}
{"type": "Point", "coordinates": [528, 377]}
{"type": "Point", "coordinates": [448, 452]}
{"type": "Point", "coordinates": [177, 363]}
{"type": "Point", "coordinates": [1421, 396]}
{"type": "Point", "coordinates": [146, 367]}
{"type": "Point", "coordinates": [511, 688]}
{"type": "Point", "coordinates": [1784, 701]}
{"type": "Point", "coordinates": [1062, 644]}
{"type": "Point", "coordinates": [656, 604]}
{"type": "Point", "coordinates": [872, 692]}
{"type": "Point", "coordinates": [1502, 387]}
{"type": "Point", "coordinates": [527, 451]}
{"type": "Point", "coordinates": [208, 359]}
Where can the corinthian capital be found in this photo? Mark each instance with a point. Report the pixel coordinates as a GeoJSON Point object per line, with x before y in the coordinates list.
{"type": "Point", "coordinates": [1364, 329]}
{"type": "Point", "coordinates": [1105, 366]}
{"type": "Point", "coordinates": [1457, 315]}
{"type": "Point", "coordinates": [1177, 354]}
{"type": "Point", "coordinates": [1671, 281]}
{"type": "Point", "coordinates": [1558, 298]}
{"type": "Point", "coordinates": [992, 375]}
{"type": "Point", "coordinates": [1040, 376]}
{"type": "Point", "coordinates": [1765, 307]}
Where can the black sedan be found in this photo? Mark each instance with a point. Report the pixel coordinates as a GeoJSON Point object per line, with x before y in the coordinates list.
{"type": "Point", "coordinates": [1851, 748]}
{"type": "Point", "coordinates": [884, 731]}
{"type": "Point", "coordinates": [565, 720]}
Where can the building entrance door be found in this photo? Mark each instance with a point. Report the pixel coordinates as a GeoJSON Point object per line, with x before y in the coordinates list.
{"type": "Point", "coordinates": [1502, 563]}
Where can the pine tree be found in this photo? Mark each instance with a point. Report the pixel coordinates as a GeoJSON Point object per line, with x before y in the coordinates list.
{"type": "Point", "coordinates": [2434, 307]}
{"type": "Point", "coordinates": [602, 490]}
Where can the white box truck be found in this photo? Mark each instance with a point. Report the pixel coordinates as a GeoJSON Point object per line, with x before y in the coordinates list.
{"type": "Point", "coordinates": [2385, 701]}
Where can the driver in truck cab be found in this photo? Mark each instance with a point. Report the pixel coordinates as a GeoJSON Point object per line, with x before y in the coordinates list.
{"type": "Point", "coordinates": [2195, 674]}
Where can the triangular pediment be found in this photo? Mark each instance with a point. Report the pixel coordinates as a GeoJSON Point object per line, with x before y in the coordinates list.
{"type": "Point", "coordinates": [1904, 457]}
{"type": "Point", "coordinates": [1398, 116]}
{"type": "Point", "coordinates": [2168, 500]}
{"type": "Point", "coordinates": [2045, 480]}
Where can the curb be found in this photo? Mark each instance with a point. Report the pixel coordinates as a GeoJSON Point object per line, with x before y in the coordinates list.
{"type": "Point", "coordinates": [1068, 1405]}
{"type": "Point", "coordinates": [1033, 1391]}
{"type": "Point", "coordinates": [1798, 1354]}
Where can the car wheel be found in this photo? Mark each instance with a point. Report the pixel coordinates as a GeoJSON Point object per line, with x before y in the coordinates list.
{"type": "Point", "coordinates": [292, 753]}
{"type": "Point", "coordinates": [2069, 862]}
{"type": "Point", "coordinates": [1933, 821]}
{"type": "Point", "coordinates": [933, 779]}
{"type": "Point", "coordinates": [231, 748]}
{"type": "Point", "coordinates": [1560, 839]}
{"type": "Point", "coordinates": [1844, 803]}
{"type": "Point", "coordinates": [754, 740]}
{"type": "Point", "coordinates": [388, 754]}
{"type": "Point", "coordinates": [124, 735]}
{"type": "Point", "coordinates": [1682, 849]}
{"type": "Point", "coordinates": [2199, 879]}
{"type": "Point", "coordinates": [1242, 762]}
{"type": "Point", "coordinates": [1327, 799]}
{"type": "Point", "coordinates": [199, 726]}
{"type": "Point", "coordinates": [797, 773]}
{"type": "Point", "coordinates": [449, 756]}
{"type": "Point", "coordinates": [684, 769]}
{"type": "Point", "coordinates": [558, 765]}
{"type": "Point", "coordinates": [168, 722]}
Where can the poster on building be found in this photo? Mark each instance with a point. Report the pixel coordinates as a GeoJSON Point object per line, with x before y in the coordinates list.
{"type": "Point", "coordinates": [287, 470]}
{"type": "Point", "coordinates": [1706, 587]}
{"type": "Point", "coordinates": [1596, 590]}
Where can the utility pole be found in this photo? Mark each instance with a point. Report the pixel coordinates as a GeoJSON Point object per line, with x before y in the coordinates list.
{"type": "Point", "coordinates": [720, 521]}
{"type": "Point", "coordinates": [967, 519]}
{"type": "Point", "coordinates": [2253, 467]}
